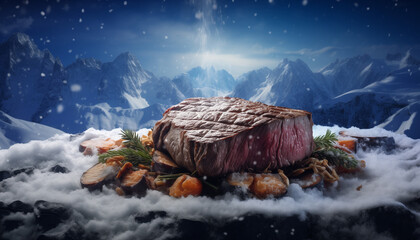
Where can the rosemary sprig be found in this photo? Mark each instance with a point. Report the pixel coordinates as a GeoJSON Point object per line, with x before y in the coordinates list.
{"type": "Point", "coordinates": [130, 155]}
{"type": "Point", "coordinates": [134, 152]}
{"type": "Point", "coordinates": [132, 140]}
{"type": "Point", "coordinates": [325, 149]}
{"type": "Point", "coordinates": [326, 141]}
{"type": "Point", "coordinates": [170, 176]}
{"type": "Point", "coordinates": [337, 157]}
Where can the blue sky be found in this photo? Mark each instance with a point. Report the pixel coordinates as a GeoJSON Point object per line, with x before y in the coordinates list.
{"type": "Point", "coordinates": [170, 37]}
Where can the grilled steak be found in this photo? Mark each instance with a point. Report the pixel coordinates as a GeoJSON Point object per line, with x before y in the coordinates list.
{"type": "Point", "coordinates": [219, 135]}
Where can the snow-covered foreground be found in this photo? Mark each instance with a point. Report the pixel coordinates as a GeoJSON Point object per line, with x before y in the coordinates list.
{"type": "Point", "coordinates": [390, 179]}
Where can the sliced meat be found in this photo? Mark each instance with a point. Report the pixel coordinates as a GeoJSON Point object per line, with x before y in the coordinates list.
{"type": "Point", "coordinates": [220, 135]}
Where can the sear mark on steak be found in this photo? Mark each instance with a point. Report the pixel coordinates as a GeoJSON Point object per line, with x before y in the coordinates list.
{"type": "Point", "coordinates": [220, 135]}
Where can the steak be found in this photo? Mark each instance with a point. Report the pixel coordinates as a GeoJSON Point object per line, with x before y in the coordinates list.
{"type": "Point", "coordinates": [220, 135]}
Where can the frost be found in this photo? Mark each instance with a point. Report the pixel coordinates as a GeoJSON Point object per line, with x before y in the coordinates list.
{"type": "Point", "coordinates": [75, 88]}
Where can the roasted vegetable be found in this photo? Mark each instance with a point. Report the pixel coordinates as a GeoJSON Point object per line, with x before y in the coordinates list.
{"type": "Point", "coordinates": [124, 169]}
{"type": "Point", "coordinates": [185, 186]}
{"type": "Point", "coordinates": [243, 180]}
{"type": "Point", "coordinates": [98, 175]}
{"type": "Point", "coordinates": [88, 147]}
{"type": "Point", "coordinates": [307, 180]}
{"type": "Point", "coordinates": [135, 182]}
{"type": "Point", "coordinates": [265, 185]}
{"type": "Point", "coordinates": [162, 163]}
{"type": "Point", "coordinates": [348, 146]}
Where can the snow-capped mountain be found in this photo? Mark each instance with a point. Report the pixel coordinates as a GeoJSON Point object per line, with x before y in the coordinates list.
{"type": "Point", "coordinates": [359, 91]}
{"type": "Point", "coordinates": [400, 60]}
{"type": "Point", "coordinates": [405, 121]}
{"type": "Point", "coordinates": [390, 102]}
{"type": "Point", "coordinates": [353, 73]}
{"type": "Point", "coordinates": [120, 83]}
{"type": "Point", "coordinates": [291, 84]}
{"type": "Point", "coordinates": [200, 82]}
{"type": "Point", "coordinates": [14, 130]}
{"type": "Point", "coordinates": [36, 87]}
{"type": "Point", "coordinates": [30, 79]}
{"type": "Point", "coordinates": [250, 82]}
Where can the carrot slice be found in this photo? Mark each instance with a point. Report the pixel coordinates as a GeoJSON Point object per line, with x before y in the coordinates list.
{"type": "Point", "coordinates": [127, 166]}
{"type": "Point", "coordinates": [347, 145]}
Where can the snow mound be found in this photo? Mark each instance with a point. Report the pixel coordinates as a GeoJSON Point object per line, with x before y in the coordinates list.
{"type": "Point", "coordinates": [14, 130]}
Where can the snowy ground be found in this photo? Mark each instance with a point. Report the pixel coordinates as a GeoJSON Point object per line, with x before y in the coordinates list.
{"type": "Point", "coordinates": [390, 179]}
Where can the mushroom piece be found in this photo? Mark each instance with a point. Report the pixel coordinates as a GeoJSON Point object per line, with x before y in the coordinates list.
{"type": "Point", "coordinates": [185, 186]}
{"type": "Point", "coordinates": [98, 175]}
{"type": "Point", "coordinates": [266, 184]}
{"type": "Point", "coordinates": [162, 163]}
{"type": "Point", "coordinates": [101, 145]}
{"type": "Point", "coordinates": [135, 182]}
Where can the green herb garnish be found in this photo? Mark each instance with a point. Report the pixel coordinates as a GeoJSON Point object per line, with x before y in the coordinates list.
{"type": "Point", "coordinates": [325, 149]}
{"type": "Point", "coordinates": [134, 152]}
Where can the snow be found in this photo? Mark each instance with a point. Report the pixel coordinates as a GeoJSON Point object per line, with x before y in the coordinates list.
{"type": "Point", "coordinates": [14, 130]}
{"type": "Point", "coordinates": [136, 102]}
{"type": "Point", "coordinates": [389, 179]}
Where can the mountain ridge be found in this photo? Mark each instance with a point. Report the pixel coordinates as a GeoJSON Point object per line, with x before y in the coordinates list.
{"type": "Point", "coordinates": [64, 97]}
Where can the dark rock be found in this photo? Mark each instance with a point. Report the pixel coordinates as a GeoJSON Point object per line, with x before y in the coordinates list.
{"type": "Point", "coordinates": [59, 169]}
{"type": "Point", "coordinates": [395, 220]}
{"type": "Point", "coordinates": [18, 206]}
{"type": "Point", "coordinates": [4, 211]}
{"type": "Point", "coordinates": [267, 227]}
{"type": "Point", "coordinates": [28, 171]}
{"type": "Point", "coordinates": [49, 215]}
{"type": "Point", "coordinates": [9, 224]}
{"type": "Point", "coordinates": [5, 175]}
{"type": "Point", "coordinates": [149, 216]}
{"type": "Point", "coordinates": [190, 229]}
